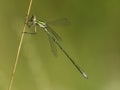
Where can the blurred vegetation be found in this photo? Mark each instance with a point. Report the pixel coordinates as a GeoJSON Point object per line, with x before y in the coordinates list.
{"type": "Point", "coordinates": [92, 39]}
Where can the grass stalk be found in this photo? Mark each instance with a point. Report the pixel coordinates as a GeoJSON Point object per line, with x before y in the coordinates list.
{"type": "Point", "coordinates": [19, 47]}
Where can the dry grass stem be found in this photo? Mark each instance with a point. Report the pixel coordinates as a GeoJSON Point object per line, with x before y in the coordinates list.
{"type": "Point", "coordinates": [19, 47]}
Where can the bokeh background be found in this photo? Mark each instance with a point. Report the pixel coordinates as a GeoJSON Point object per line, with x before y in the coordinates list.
{"type": "Point", "coordinates": [92, 39]}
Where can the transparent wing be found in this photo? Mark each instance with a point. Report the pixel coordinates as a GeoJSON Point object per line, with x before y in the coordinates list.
{"type": "Point", "coordinates": [59, 22]}
{"type": "Point", "coordinates": [53, 47]}
{"type": "Point", "coordinates": [54, 34]}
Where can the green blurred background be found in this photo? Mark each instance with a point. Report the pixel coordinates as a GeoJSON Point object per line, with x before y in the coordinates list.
{"type": "Point", "coordinates": [92, 39]}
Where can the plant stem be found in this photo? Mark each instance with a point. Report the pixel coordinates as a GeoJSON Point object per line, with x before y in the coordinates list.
{"type": "Point", "coordinates": [19, 47]}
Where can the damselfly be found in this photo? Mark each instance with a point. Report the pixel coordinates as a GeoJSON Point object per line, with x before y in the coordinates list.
{"type": "Point", "coordinates": [53, 37]}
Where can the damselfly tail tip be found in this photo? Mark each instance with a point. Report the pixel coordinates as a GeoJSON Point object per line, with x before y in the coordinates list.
{"type": "Point", "coordinates": [85, 75]}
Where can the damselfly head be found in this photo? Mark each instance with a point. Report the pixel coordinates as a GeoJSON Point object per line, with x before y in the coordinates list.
{"type": "Point", "coordinates": [31, 21]}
